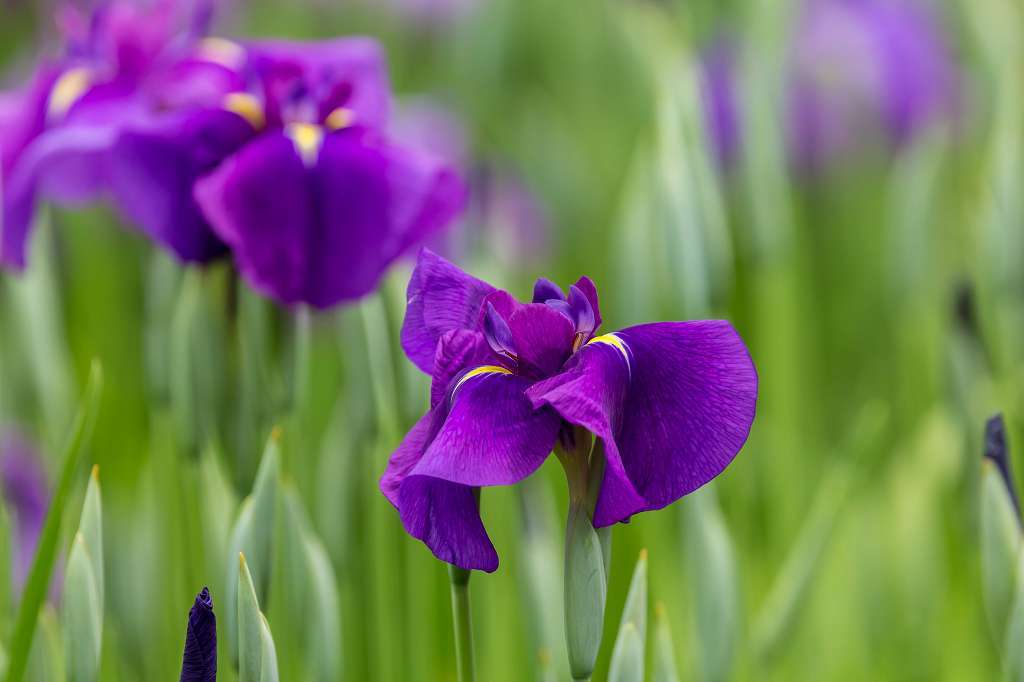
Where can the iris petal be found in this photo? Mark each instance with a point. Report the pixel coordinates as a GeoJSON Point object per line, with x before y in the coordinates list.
{"type": "Point", "coordinates": [673, 409]}
{"type": "Point", "coordinates": [440, 298]}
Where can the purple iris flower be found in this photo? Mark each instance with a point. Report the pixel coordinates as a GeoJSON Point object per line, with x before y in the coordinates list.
{"type": "Point", "coordinates": [856, 70]}
{"type": "Point", "coordinates": [672, 402]}
{"type": "Point", "coordinates": [199, 662]}
{"type": "Point", "coordinates": [56, 132]}
{"type": "Point", "coordinates": [27, 493]}
{"type": "Point", "coordinates": [290, 168]}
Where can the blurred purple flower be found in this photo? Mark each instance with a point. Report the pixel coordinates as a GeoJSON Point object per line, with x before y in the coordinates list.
{"type": "Point", "coordinates": [514, 221]}
{"type": "Point", "coordinates": [26, 491]}
{"type": "Point", "coordinates": [56, 131]}
{"type": "Point", "coordinates": [857, 71]}
{"type": "Point", "coordinates": [672, 402]}
{"type": "Point", "coordinates": [292, 170]}
{"type": "Point", "coordinates": [199, 662]}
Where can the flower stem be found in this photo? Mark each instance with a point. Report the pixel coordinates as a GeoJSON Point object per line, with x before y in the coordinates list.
{"type": "Point", "coordinates": [463, 623]}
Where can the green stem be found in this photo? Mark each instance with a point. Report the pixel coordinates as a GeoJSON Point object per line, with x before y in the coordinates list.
{"type": "Point", "coordinates": [463, 623]}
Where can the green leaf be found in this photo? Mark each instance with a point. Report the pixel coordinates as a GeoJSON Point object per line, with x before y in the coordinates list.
{"type": "Point", "coordinates": [628, 658]}
{"type": "Point", "coordinates": [665, 669]}
{"type": "Point", "coordinates": [91, 528]}
{"type": "Point", "coordinates": [1013, 645]}
{"type": "Point", "coordinates": [46, 552]}
{"type": "Point", "coordinates": [253, 534]}
{"type": "Point", "coordinates": [257, 658]}
{"type": "Point", "coordinates": [83, 614]}
{"type": "Point", "coordinates": [268, 671]}
{"type": "Point", "coordinates": [586, 588]}
{"type": "Point", "coordinates": [715, 584]}
{"type": "Point", "coordinates": [628, 654]}
{"type": "Point", "coordinates": [46, 662]}
{"type": "Point", "coordinates": [250, 626]}
{"type": "Point", "coordinates": [1000, 547]}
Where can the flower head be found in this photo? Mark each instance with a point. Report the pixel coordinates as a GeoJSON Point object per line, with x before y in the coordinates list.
{"type": "Point", "coordinates": [199, 662]}
{"type": "Point", "coordinates": [57, 131]}
{"type": "Point", "coordinates": [856, 70]}
{"type": "Point", "coordinates": [672, 403]}
{"type": "Point", "coordinates": [290, 169]}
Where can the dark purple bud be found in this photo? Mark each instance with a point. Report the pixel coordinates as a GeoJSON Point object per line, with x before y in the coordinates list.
{"type": "Point", "coordinates": [199, 663]}
{"type": "Point", "coordinates": [545, 290]}
{"type": "Point", "coordinates": [498, 334]}
{"type": "Point", "coordinates": [996, 450]}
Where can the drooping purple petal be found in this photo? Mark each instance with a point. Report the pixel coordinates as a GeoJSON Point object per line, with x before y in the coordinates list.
{"type": "Point", "coordinates": [199, 662]}
{"type": "Point", "coordinates": [67, 164]}
{"type": "Point", "coordinates": [440, 298]}
{"type": "Point", "coordinates": [446, 518]}
{"type": "Point", "coordinates": [673, 402]}
{"type": "Point", "coordinates": [489, 435]}
{"type": "Point", "coordinates": [322, 229]}
{"type": "Point", "coordinates": [153, 170]}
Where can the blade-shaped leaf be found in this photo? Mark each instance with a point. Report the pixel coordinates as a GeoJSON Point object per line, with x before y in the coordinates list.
{"type": "Point", "coordinates": [630, 643]}
{"type": "Point", "coordinates": [46, 552]}
{"type": "Point", "coordinates": [83, 615]}
{"type": "Point", "coordinates": [665, 669]}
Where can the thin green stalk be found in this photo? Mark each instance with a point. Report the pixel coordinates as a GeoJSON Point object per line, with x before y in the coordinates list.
{"type": "Point", "coordinates": [463, 623]}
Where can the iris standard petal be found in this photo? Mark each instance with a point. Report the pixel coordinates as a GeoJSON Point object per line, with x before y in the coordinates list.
{"type": "Point", "coordinates": [543, 337]}
{"type": "Point", "coordinates": [320, 225]}
{"type": "Point", "coordinates": [440, 298]}
{"type": "Point", "coordinates": [153, 170]}
{"type": "Point", "coordinates": [199, 662]}
{"type": "Point", "coordinates": [349, 73]}
{"type": "Point", "coordinates": [673, 401]}
{"type": "Point", "coordinates": [586, 285]}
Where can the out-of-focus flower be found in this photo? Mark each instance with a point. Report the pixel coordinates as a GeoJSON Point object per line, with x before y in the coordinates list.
{"type": "Point", "coordinates": [858, 71]}
{"type": "Point", "coordinates": [27, 494]}
{"type": "Point", "coordinates": [672, 402]}
{"type": "Point", "coordinates": [514, 222]}
{"type": "Point", "coordinates": [56, 131]}
{"type": "Point", "coordinates": [292, 170]}
{"type": "Point", "coordinates": [199, 662]}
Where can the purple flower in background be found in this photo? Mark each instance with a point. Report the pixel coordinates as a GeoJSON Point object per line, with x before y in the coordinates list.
{"type": "Point", "coordinates": [56, 131]}
{"type": "Point", "coordinates": [290, 169]}
{"type": "Point", "coordinates": [857, 70]}
{"type": "Point", "coordinates": [26, 491]}
{"type": "Point", "coordinates": [199, 662]}
{"type": "Point", "coordinates": [672, 402]}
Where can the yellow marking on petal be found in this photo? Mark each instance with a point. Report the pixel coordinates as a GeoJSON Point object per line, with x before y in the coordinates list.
{"type": "Point", "coordinates": [67, 90]}
{"type": "Point", "coordinates": [307, 138]}
{"type": "Point", "coordinates": [613, 341]}
{"type": "Point", "coordinates": [340, 118]}
{"type": "Point", "coordinates": [221, 51]}
{"type": "Point", "coordinates": [479, 371]}
{"type": "Point", "coordinates": [246, 106]}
